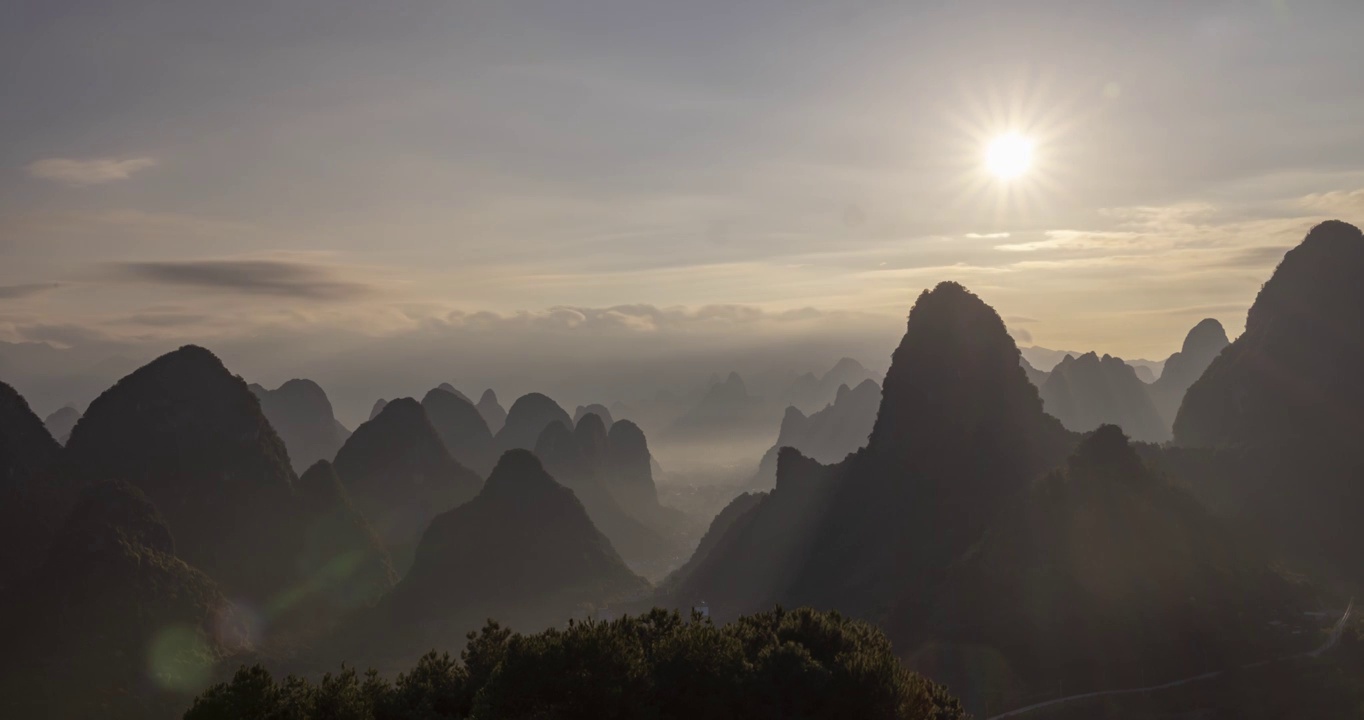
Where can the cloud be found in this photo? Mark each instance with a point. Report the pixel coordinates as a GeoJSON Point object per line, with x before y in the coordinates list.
{"type": "Point", "coordinates": [1076, 240]}
{"type": "Point", "coordinates": [166, 319]}
{"type": "Point", "coordinates": [639, 318]}
{"type": "Point", "coordinates": [63, 334]}
{"type": "Point", "coordinates": [15, 292]}
{"type": "Point", "coordinates": [987, 236]}
{"type": "Point", "coordinates": [1338, 202]}
{"type": "Point", "coordinates": [279, 278]}
{"type": "Point", "coordinates": [95, 171]}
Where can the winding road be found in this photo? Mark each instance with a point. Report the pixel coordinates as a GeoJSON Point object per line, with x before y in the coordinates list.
{"type": "Point", "coordinates": [1331, 641]}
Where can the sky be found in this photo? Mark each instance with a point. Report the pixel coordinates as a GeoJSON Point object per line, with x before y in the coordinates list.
{"type": "Point", "coordinates": [507, 185]}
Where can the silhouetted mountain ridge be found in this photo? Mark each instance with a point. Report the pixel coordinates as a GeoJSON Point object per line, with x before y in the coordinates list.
{"type": "Point", "coordinates": [400, 475]}
{"type": "Point", "coordinates": [1088, 391]}
{"type": "Point", "coordinates": [1203, 343]}
{"type": "Point", "coordinates": [192, 437]}
{"type": "Point", "coordinates": [462, 429]}
{"type": "Point", "coordinates": [1285, 401]}
{"type": "Point", "coordinates": [302, 415]}
{"type": "Point", "coordinates": [523, 550]}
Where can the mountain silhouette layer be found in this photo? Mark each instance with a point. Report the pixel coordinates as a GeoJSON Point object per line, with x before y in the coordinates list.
{"type": "Point", "coordinates": [1088, 391]}
{"type": "Point", "coordinates": [399, 474]}
{"type": "Point", "coordinates": [960, 433]}
{"type": "Point", "coordinates": [344, 561]}
{"type": "Point", "coordinates": [828, 435]}
{"type": "Point", "coordinates": [808, 393]}
{"type": "Point", "coordinates": [462, 429]}
{"type": "Point", "coordinates": [527, 418]}
{"type": "Point", "coordinates": [302, 415]}
{"type": "Point", "coordinates": [1286, 399]}
{"type": "Point", "coordinates": [597, 409]}
{"type": "Point", "coordinates": [586, 461]}
{"type": "Point", "coordinates": [192, 437]}
{"type": "Point", "coordinates": [524, 551]}
{"type": "Point", "coordinates": [114, 624]}
{"type": "Point", "coordinates": [61, 422]}
{"type": "Point", "coordinates": [1203, 343]}
{"type": "Point", "coordinates": [492, 411]}
{"type": "Point", "coordinates": [35, 490]}
{"type": "Point", "coordinates": [1103, 575]}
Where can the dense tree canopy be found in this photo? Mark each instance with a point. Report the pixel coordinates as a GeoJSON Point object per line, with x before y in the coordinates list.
{"type": "Point", "coordinates": [777, 664]}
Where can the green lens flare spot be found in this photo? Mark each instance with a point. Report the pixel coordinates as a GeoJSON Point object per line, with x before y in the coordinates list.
{"type": "Point", "coordinates": [179, 659]}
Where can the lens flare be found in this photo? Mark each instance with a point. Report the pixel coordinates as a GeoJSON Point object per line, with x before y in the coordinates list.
{"type": "Point", "coordinates": [179, 659]}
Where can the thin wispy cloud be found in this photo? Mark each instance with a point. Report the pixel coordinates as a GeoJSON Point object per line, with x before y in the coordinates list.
{"type": "Point", "coordinates": [1075, 240]}
{"type": "Point", "coordinates": [279, 278]}
{"type": "Point", "coordinates": [92, 171]}
{"type": "Point", "coordinates": [15, 292]}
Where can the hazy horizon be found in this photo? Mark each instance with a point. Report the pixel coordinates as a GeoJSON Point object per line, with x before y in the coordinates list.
{"type": "Point", "coordinates": [623, 180]}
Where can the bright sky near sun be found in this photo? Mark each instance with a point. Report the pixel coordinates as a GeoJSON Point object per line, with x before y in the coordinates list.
{"type": "Point", "coordinates": [1105, 174]}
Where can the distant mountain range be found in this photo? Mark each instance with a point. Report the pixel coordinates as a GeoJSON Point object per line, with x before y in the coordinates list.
{"type": "Point", "coordinates": [1017, 530]}
{"type": "Point", "coordinates": [1044, 359]}
{"type": "Point", "coordinates": [302, 415]}
{"type": "Point", "coordinates": [940, 530]}
{"type": "Point", "coordinates": [828, 435]}
{"type": "Point", "coordinates": [400, 475]}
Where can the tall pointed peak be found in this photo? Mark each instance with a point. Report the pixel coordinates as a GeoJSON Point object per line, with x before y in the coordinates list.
{"type": "Point", "coordinates": [956, 370]}
{"type": "Point", "coordinates": [1294, 372]}
{"type": "Point", "coordinates": [597, 409]}
{"type": "Point", "coordinates": [447, 387]}
{"type": "Point", "coordinates": [445, 397]}
{"type": "Point", "coordinates": [867, 386]}
{"type": "Point", "coordinates": [303, 388]}
{"type": "Point", "coordinates": [527, 418]}
{"type": "Point", "coordinates": [192, 436]}
{"type": "Point", "coordinates": [61, 422]}
{"type": "Point", "coordinates": [320, 481]}
{"type": "Point", "coordinates": [492, 411]}
{"type": "Point", "coordinates": [518, 472]}
{"type": "Point", "coordinates": [402, 411]}
{"type": "Point", "coordinates": [626, 434]}
{"type": "Point", "coordinates": [1318, 280]}
{"type": "Point", "coordinates": [535, 403]}
{"type": "Point", "coordinates": [554, 440]}
{"type": "Point", "coordinates": [847, 364]}
{"type": "Point", "coordinates": [378, 408]}
{"type": "Point", "coordinates": [1208, 333]}
{"type": "Point", "coordinates": [590, 426]}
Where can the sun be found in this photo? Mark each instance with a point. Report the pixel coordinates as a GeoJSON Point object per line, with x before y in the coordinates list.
{"type": "Point", "coordinates": [1009, 156]}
